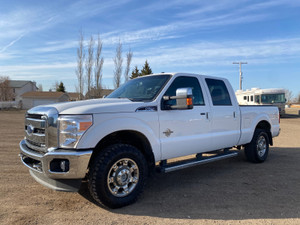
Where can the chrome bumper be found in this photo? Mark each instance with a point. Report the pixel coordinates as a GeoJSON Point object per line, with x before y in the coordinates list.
{"type": "Point", "coordinates": [40, 163]}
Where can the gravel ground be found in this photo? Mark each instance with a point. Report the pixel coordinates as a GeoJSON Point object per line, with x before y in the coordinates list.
{"type": "Point", "coordinates": [231, 191]}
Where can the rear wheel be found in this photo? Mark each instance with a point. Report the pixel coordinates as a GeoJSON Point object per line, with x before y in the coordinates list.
{"type": "Point", "coordinates": [257, 150]}
{"type": "Point", "coordinates": [117, 175]}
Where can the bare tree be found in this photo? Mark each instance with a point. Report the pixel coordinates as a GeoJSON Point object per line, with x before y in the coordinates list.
{"type": "Point", "coordinates": [118, 60]}
{"type": "Point", "coordinates": [6, 92]}
{"type": "Point", "coordinates": [40, 87]}
{"type": "Point", "coordinates": [288, 96]}
{"type": "Point", "coordinates": [55, 85]}
{"type": "Point", "coordinates": [298, 98]}
{"type": "Point", "coordinates": [80, 70]}
{"type": "Point", "coordinates": [128, 62]}
{"type": "Point", "coordinates": [89, 67]}
{"type": "Point", "coordinates": [98, 68]}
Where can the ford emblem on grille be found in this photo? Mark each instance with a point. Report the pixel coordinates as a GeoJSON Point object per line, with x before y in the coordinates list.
{"type": "Point", "coordinates": [30, 129]}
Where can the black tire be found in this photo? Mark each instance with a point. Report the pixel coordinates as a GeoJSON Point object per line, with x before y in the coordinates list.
{"type": "Point", "coordinates": [257, 150]}
{"type": "Point", "coordinates": [117, 175]}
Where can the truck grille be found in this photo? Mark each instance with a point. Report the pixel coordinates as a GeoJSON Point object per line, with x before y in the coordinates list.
{"type": "Point", "coordinates": [41, 133]}
{"type": "Point", "coordinates": [35, 132]}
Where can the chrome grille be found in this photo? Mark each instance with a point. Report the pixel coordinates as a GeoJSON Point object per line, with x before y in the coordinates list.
{"type": "Point", "coordinates": [41, 133]}
{"type": "Point", "coordinates": [35, 132]}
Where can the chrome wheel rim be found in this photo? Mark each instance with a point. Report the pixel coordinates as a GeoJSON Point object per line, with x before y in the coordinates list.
{"type": "Point", "coordinates": [261, 146]}
{"type": "Point", "coordinates": [123, 177]}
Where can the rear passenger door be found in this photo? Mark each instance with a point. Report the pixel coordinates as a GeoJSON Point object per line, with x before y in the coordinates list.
{"type": "Point", "coordinates": [225, 115]}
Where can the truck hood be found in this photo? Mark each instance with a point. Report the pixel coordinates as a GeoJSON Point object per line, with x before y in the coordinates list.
{"type": "Point", "coordinates": [104, 105]}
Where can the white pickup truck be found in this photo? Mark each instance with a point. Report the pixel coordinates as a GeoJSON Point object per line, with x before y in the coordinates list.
{"type": "Point", "coordinates": [115, 142]}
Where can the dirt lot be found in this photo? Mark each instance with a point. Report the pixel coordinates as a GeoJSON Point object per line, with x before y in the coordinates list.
{"type": "Point", "coordinates": [232, 191]}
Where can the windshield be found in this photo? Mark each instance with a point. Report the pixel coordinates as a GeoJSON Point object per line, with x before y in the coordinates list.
{"type": "Point", "coordinates": [273, 98]}
{"type": "Point", "coordinates": [141, 89]}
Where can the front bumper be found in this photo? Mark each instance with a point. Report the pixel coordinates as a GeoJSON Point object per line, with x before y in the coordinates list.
{"type": "Point", "coordinates": [41, 169]}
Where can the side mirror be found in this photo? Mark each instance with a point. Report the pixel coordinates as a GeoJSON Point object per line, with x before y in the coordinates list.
{"type": "Point", "coordinates": [184, 99]}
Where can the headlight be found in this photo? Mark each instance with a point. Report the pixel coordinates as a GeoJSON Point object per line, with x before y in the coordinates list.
{"type": "Point", "coordinates": [71, 128]}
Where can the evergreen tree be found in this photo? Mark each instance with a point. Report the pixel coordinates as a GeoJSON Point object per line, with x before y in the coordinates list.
{"type": "Point", "coordinates": [146, 69]}
{"type": "Point", "coordinates": [135, 73]}
{"type": "Point", "coordinates": [61, 87]}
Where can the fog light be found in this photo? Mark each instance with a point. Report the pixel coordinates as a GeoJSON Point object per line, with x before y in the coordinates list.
{"type": "Point", "coordinates": [64, 165]}
{"type": "Point", "coordinates": [60, 165]}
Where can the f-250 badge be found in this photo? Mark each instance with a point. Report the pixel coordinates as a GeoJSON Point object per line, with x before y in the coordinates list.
{"type": "Point", "coordinates": [168, 132]}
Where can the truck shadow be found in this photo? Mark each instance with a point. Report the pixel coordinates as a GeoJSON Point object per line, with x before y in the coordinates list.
{"type": "Point", "coordinates": [231, 189]}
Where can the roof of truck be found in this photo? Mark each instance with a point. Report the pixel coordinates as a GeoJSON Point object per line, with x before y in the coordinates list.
{"type": "Point", "coordinates": [182, 73]}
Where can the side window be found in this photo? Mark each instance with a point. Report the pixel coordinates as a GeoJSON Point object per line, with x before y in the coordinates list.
{"type": "Point", "coordinates": [257, 98]}
{"type": "Point", "coordinates": [185, 82]}
{"type": "Point", "coordinates": [251, 98]}
{"type": "Point", "coordinates": [218, 92]}
{"type": "Point", "coordinates": [245, 97]}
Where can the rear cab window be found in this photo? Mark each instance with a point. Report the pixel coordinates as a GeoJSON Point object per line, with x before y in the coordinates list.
{"type": "Point", "coordinates": [218, 92]}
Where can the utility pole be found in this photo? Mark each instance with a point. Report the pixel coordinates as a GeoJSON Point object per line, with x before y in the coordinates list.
{"type": "Point", "coordinates": [241, 74]}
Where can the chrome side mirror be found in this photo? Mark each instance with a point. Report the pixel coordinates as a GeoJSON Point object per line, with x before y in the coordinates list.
{"type": "Point", "coordinates": [184, 99]}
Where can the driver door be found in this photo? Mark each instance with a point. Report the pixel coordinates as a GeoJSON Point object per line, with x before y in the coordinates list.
{"type": "Point", "coordinates": [185, 132]}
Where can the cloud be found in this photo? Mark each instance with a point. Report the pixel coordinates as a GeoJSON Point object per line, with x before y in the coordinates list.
{"type": "Point", "coordinates": [20, 21]}
{"type": "Point", "coordinates": [6, 56]}
{"type": "Point", "coordinates": [11, 43]}
{"type": "Point", "coordinates": [84, 8]}
{"type": "Point", "coordinates": [220, 14]}
{"type": "Point", "coordinates": [193, 54]}
{"type": "Point", "coordinates": [207, 8]}
{"type": "Point", "coordinates": [17, 68]}
{"type": "Point", "coordinates": [234, 7]}
{"type": "Point", "coordinates": [110, 39]}
{"type": "Point", "coordinates": [143, 35]}
{"type": "Point", "coordinates": [148, 40]}
{"type": "Point", "coordinates": [57, 46]}
{"type": "Point", "coordinates": [210, 53]}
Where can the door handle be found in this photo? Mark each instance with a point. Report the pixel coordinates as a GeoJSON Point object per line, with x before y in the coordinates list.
{"type": "Point", "coordinates": [204, 114]}
{"type": "Point", "coordinates": [234, 114]}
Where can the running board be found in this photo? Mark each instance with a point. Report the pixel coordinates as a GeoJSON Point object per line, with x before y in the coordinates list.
{"type": "Point", "coordinates": [166, 168]}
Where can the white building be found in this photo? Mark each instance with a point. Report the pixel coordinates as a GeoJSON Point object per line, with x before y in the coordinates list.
{"type": "Point", "coordinates": [19, 87]}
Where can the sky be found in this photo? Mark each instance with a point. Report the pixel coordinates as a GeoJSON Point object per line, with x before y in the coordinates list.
{"type": "Point", "coordinates": [39, 39]}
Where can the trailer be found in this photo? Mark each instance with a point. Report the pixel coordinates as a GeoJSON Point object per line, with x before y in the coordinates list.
{"type": "Point", "coordinates": [257, 96]}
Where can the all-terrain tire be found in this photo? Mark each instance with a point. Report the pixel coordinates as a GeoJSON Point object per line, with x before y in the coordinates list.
{"type": "Point", "coordinates": [257, 150]}
{"type": "Point", "coordinates": [117, 175]}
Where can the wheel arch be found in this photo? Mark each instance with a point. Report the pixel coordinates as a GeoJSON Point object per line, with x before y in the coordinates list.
{"type": "Point", "coordinates": [130, 137]}
{"type": "Point", "coordinates": [265, 125]}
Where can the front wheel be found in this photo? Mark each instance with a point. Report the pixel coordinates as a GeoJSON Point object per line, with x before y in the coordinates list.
{"type": "Point", "coordinates": [117, 175]}
{"type": "Point", "coordinates": [257, 150]}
